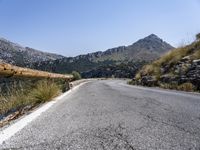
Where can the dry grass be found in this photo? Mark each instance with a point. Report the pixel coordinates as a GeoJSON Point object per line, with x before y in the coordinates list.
{"type": "Point", "coordinates": [189, 87]}
{"type": "Point", "coordinates": [45, 90]}
{"type": "Point", "coordinates": [169, 59]}
{"type": "Point", "coordinates": [12, 102]}
{"type": "Point", "coordinates": [171, 86]}
{"type": "Point", "coordinates": [196, 55]}
{"type": "Point", "coordinates": [138, 76]}
{"type": "Point", "coordinates": [40, 92]}
{"type": "Point", "coordinates": [177, 54]}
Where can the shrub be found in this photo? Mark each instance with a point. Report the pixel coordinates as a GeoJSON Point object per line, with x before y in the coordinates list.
{"type": "Point", "coordinates": [76, 75]}
{"type": "Point", "coordinates": [189, 87]}
{"type": "Point", "coordinates": [45, 90]}
{"type": "Point", "coordinates": [138, 76]}
{"type": "Point", "coordinates": [131, 82]}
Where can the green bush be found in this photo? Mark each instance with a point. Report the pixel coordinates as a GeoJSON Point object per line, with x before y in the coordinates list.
{"type": "Point", "coordinates": [76, 75]}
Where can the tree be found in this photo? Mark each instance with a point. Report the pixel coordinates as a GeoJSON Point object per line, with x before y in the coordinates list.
{"type": "Point", "coordinates": [76, 75]}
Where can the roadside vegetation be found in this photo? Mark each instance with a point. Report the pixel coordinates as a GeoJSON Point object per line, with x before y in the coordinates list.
{"type": "Point", "coordinates": [76, 75]}
{"type": "Point", "coordinates": [28, 94]}
{"type": "Point", "coordinates": [178, 69]}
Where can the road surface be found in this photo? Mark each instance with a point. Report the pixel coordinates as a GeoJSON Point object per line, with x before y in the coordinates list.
{"type": "Point", "coordinates": [112, 115]}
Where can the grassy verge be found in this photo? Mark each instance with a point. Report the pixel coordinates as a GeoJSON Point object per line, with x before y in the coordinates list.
{"type": "Point", "coordinates": [16, 99]}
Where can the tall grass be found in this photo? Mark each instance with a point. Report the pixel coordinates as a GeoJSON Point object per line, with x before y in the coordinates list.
{"type": "Point", "coordinates": [14, 101]}
{"type": "Point", "coordinates": [189, 87]}
{"type": "Point", "coordinates": [45, 90]}
{"type": "Point", "coordinates": [38, 92]}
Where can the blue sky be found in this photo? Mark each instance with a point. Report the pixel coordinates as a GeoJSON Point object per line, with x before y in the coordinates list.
{"type": "Point", "coordinates": [72, 27]}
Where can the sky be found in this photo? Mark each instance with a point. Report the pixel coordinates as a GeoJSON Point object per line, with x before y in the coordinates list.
{"type": "Point", "coordinates": [73, 27]}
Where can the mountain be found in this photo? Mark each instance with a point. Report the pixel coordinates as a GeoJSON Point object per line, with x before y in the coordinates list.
{"type": "Point", "coordinates": [23, 56]}
{"type": "Point", "coordinates": [148, 49]}
{"type": "Point", "coordinates": [139, 53]}
{"type": "Point", "coordinates": [178, 69]}
{"type": "Point", "coordinates": [144, 50]}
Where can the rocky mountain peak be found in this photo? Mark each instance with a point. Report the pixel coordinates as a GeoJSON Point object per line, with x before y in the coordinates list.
{"type": "Point", "coordinates": [152, 36]}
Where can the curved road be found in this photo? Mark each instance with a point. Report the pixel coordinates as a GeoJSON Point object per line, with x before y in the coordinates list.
{"type": "Point", "coordinates": [112, 115]}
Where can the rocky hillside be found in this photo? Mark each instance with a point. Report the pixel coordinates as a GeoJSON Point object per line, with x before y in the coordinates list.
{"type": "Point", "coordinates": [122, 70]}
{"type": "Point", "coordinates": [22, 56]}
{"type": "Point", "coordinates": [178, 69]}
{"type": "Point", "coordinates": [146, 49]}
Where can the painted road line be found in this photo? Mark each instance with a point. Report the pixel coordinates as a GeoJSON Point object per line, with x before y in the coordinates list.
{"type": "Point", "coordinates": [19, 125]}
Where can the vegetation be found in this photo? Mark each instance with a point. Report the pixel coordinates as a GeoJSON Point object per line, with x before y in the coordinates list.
{"type": "Point", "coordinates": [76, 75]}
{"type": "Point", "coordinates": [44, 91]}
{"type": "Point", "coordinates": [120, 70]}
{"type": "Point", "coordinates": [198, 36]}
{"type": "Point", "coordinates": [36, 92]}
{"type": "Point", "coordinates": [14, 101]}
{"type": "Point", "coordinates": [174, 65]}
{"type": "Point", "coordinates": [189, 87]}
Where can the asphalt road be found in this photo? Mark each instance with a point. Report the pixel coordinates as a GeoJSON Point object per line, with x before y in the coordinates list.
{"type": "Point", "coordinates": [112, 115]}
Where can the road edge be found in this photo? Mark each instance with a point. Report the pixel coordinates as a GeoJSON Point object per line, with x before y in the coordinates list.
{"type": "Point", "coordinates": [12, 129]}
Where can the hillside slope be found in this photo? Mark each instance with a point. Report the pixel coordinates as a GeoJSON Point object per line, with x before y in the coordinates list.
{"type": "Point", "coordinates": [144, 50]}
{"type": "Point", "coordinates": [23, 56]}
{"type": "Point", "coordinates": [90, 65]}
{"type": "Point", "coordinates": [148, 49]}
{"type": "Point", "coordinates": [178, 69]}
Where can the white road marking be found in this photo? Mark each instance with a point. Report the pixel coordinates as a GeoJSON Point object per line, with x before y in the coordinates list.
{"type": "Point", "coordinates": [19, 125]}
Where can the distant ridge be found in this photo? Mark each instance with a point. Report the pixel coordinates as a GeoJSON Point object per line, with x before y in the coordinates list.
{"type": "Point", "coordinates": [144, 50]}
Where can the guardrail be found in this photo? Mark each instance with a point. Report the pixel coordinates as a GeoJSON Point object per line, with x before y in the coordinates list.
{"type": "Point", "coordinates": [7, 70]}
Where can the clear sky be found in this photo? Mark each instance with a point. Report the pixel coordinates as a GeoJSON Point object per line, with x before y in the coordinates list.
{"type": "Point", "coordinates": [72, 27]}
